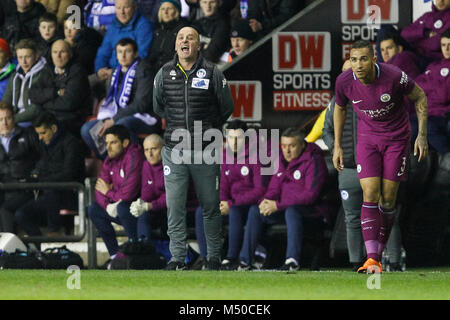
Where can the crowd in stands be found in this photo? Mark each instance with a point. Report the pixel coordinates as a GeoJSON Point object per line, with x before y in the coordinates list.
{"type": "Point", "coordinates": [72, 88]}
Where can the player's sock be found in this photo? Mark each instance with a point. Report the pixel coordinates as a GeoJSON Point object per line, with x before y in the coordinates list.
{"type": "Point", "coordinates": [370, 225]}
{"type": "Point", "coordinates": [387, 221]}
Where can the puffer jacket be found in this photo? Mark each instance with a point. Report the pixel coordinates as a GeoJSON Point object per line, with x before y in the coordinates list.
{"type": "Point", "coordinates": [185, 97]}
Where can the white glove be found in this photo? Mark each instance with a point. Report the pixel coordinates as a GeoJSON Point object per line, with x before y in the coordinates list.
{"type": "Point", "coordinates": [112, 208]}
{"type": "Point", "coordinates": [138, 207]}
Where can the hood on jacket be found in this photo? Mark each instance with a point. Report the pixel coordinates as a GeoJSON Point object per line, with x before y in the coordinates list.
{"type": "Point", "coordinates": [310, 150]}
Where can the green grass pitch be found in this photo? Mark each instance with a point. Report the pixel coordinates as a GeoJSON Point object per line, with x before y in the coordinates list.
{"type": "Point", "coordinates": [433, 283]}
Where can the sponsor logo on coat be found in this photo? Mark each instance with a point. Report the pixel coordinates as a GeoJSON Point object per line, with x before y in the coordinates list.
{"type": "Point", "coordinates": [166, 170]}
{"type": "Point", "coordinates": [385, 97]}
{"type": "Point", "coordinates": [244, 171]}
{"type": "Point", "coordinates": [201, 73]}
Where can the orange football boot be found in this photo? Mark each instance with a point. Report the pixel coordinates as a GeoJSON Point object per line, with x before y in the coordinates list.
{"type": "Point", "coordinates": [371, 266]}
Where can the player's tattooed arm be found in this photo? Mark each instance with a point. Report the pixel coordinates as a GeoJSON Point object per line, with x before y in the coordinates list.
{"type": "Point", "coordinates": [420, 101]}
{"type": "Point", "coordinates": [338, 121]}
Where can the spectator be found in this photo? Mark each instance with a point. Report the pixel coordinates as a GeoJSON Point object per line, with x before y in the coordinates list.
{"type": "Point", "coordinates": [48, 34]}
{"type": "Point", "coordinates": [84, 43]}
{"type": "Point", "coordinates": [243, 8]}
{"type": "Point", "coordinates": [292, 194]}
{"type": "Point", "coordinates": [195, 13]}
{"type": "Point", "coordinates": [63, 90]}
{"type": "Point", "coordinates": [264, 16]}
{"type": "Point", "coordinates": [436, 84]}
{"type": "Point", "coordinates": [60, 160]}
{"type": "Point", "coordinates": [424, 33]}
{"type": "Point", "coordinates": [163, 44]}
{"type": "Point", "coordinates": [241, 186]}
{"type": "Point", "coordinates": [129, 100]}
{"type": "Point", "coordinates": [128, 23]}
{"type": "Point", "coordinates": [151, 209]}
{"type": "Point", "coordinates": [7, 8]}
{"type": "Point", "coordinates": [117, 186]}
{"type": "Point", "coordinates": [26, 75]}
{"type": "Point", "coordinates": [214, 30]}
{"type": "Point", "coordinates": [6, 66]}
{"type": "Point", "coordinates": [242, 37]}
{"type": "Point", "coordinates": [392, 52]}
{"type": "Point", "coordinates": [22, 21]}
{"type": "Point", "coordinates": [18, 156]}
{"type": "Point", "coordinates": [99, 14]}
{"type": "Point", "coordinates": [188, 75]}
{"type": "Point", "coordinates": [149, 9]}
{"type": "Point", "coordinates": [58, 8]}
{"type": "Point", "coordinates": [391, 30]}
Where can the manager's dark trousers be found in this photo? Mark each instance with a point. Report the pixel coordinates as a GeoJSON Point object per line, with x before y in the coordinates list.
{"type": "Point", "coordinates": [206, 178]}
{"type": "Point", "coordinates": [236, 218]}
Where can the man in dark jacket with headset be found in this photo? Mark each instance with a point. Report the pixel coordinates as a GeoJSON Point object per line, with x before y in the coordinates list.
{"type": "Point", "coordinates": [188, 89]}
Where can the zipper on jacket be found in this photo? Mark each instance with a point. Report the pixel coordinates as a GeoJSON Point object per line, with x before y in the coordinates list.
{"type": "Point", "coordinates": [185, 95]}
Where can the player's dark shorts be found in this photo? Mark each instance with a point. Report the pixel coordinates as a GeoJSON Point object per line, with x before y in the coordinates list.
{"type": "Point", "coordinates": [385, 159]}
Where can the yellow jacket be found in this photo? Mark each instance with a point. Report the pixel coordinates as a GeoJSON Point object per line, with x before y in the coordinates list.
{"type": "Point", "coordinates": [316, 131]}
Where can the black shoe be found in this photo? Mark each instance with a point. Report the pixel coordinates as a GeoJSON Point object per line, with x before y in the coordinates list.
{"type": "Point", "coordinates": [291, 266]}
{"type": "Point", "coordinates": [356, 266]}
{"type": "Point", "coordinates": [229, 264]}
{"type": "Point", "coordinates": [395, 267]}
{"type": "Point", "coordinates": [244, 267]}
{"type": "Point", "coordinates": [175, 266]}
{"type": "Point", "coordinates": [213, 265]}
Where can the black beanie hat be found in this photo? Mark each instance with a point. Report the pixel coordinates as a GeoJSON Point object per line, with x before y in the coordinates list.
{"type": "Point", "coordinates": [241, 28]}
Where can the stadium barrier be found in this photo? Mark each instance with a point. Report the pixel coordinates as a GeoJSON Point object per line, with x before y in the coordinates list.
{"type": "Point", "coordinates": [75, 186]}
